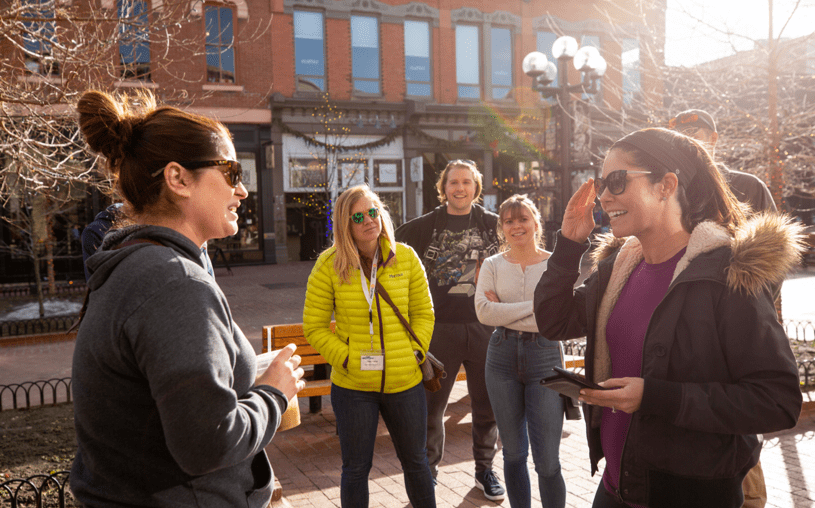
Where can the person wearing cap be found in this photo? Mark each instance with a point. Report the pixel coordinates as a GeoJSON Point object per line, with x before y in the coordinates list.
{"type": "Point", "coordinates": [747, 188]}
{"type": "Point", "coordinates": [680, 329]}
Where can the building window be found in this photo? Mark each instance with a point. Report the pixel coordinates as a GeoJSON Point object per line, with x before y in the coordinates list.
{"type": "Point", "coordinates": [219, 44]}
{"type": "Point", "coordinates": [38, 37]}
{"type": "Point", "coordinates": [134, 39]}
{"type": "Point", "coordinates": [631, 70]}
{"type": "Point", "coordinates": [501, 59]}
{"type": "Point", "coordinates": [468, 68]}
{"type": "Point", "coordinates": [365, 54]}
{"type": "Point", "coordinates": [417, 58]}
{"type": "Point", "coordinates": [544, 45]}
{"type": "Point", "coordinates": [309, 51]}
{"type": "Point", "coordinates": [593, 40]}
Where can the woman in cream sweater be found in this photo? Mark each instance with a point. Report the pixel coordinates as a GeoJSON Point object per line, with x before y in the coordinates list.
{"type": "Point", "coordinates": [518, 357]}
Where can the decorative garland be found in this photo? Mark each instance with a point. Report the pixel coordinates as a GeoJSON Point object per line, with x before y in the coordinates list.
{"type": "Point", "coordinates": [389, 138]}
{"type": "Point", "coordinates": [439, 142]}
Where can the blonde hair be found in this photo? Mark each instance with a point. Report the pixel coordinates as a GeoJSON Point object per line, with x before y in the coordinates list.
{"type": "Point", "coordinates": [512, 207]}
{"type": "Point", "coordinates": [459, 163]}
{"type": "Point", "coordinates": [346, 257]}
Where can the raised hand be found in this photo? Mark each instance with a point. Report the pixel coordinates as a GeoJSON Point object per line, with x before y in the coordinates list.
{"type": "Point", "coordinates": [578, 220]}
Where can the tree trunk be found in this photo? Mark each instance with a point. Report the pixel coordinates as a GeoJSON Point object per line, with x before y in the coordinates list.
{"type": "Point", "coordinates": [775, 169]}
{"type": "Point", "coordinates": [38, 280]}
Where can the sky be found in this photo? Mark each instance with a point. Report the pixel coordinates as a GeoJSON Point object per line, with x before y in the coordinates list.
{"type": "Point", "coordinates": [696, 29]}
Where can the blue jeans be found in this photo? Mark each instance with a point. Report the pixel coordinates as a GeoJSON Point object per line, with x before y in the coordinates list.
{"type": "Point", "coordinates": [405, 415]}
{"type": "Point", "coordinates": [527, 413]}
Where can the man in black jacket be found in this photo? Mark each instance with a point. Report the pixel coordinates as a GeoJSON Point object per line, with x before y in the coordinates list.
{"type": "Point", "coordinates": [452, 241]}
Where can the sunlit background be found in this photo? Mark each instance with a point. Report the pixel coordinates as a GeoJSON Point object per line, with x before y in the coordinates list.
{"type": "Point", "coordinates": [699, 31]}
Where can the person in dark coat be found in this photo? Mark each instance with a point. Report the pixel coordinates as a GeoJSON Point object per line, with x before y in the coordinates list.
{"type": "Point", "coordinates": [680, 325]}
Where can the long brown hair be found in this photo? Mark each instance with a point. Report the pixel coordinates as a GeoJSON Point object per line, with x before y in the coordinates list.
{"type": "Point", "coordinates": [138, 138]}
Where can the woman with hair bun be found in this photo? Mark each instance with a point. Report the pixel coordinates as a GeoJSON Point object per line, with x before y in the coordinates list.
{"type": "Point", "coordinates": [168, 407]}
{"type": "Point", "coordinates": [680, 326]}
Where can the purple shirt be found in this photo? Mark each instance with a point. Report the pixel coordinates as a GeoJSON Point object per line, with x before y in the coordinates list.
{"type": "Point", "coordinates": [625, 335]}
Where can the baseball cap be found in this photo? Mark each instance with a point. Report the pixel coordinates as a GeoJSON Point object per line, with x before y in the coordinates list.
{"type": "Point", "coordinates": [692, 118]}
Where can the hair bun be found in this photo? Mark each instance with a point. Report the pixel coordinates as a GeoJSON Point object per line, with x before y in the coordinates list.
{"type": "Point", "coordinates": [108, 126]}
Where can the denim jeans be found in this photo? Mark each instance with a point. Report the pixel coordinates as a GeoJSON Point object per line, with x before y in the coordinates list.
{"type": "Point", "coordinates": [405, 415]}
{"type": "Point", "coordinates": [527, 413]}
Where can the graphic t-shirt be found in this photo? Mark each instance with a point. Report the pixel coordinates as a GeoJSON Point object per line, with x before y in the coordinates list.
{"type": "Point", "coordinates": [453, 259]}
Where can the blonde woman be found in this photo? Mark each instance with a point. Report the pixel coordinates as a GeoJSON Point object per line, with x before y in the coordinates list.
{"type": "Point", "coordinates": [373, 359]}
{"type": "Point", "coordinates": [518, 357]}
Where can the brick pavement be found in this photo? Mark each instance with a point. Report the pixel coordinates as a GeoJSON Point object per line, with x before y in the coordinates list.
{"type": "Point", "coordinates": [307, 463]}
{"type": "Point", "coordinates": [307, 458]}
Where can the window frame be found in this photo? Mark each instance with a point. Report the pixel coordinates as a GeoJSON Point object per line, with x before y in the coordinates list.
{"type": "Point", "coordinates": [231, 46]}
{"type": "Point", "coordinates": [44, 64]}
{"type": "Point", "coordinates": [429, 83]}
{"type": "Point", "coordinates": [378, 79]}
{"type": "Point", "coordinates": [306, 78]}
{"type": "Point", "coordinates": [478, 53]}
{"type": "Point", "coordinates": [139, 71]}
{"type": "Point", "coordinates": [509, 97]}
{"type": "Point", "coordinates": [629, 93]}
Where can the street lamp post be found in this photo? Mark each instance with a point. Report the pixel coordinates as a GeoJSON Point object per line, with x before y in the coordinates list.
{"type": "Point", "coordinates": [592, 66]}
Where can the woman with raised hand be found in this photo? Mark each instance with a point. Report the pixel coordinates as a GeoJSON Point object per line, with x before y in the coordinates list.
{"type": "Point", "coordinates": [169, 408]}
{"type": "Point", "coordinates": [680, 325]}
{"type": "Point", "coordinates": [373, 357]}
{"type": "Point", "coordinates": [518, 357]}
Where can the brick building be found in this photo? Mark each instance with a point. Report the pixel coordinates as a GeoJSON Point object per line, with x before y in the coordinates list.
{"type": "Point", "coordinates": [323, 94]}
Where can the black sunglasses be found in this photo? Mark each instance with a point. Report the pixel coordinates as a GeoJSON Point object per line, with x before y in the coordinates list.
{"type": "Point", "coordinates": [360, 216]}
{"type": "Point", "coordinates": [615, 181]}
{"type": "Point", "coordinates": [232, 170]}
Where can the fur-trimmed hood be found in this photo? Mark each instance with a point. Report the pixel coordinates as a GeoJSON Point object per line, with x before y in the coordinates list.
{"type": "Point", "coordinates": [764, 250]}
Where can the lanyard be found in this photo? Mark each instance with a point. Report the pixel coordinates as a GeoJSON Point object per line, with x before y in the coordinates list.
{"type": "Point", "coordinates": [369, 292]}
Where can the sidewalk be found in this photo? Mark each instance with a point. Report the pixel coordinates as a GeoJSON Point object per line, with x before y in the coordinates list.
{"type": "Point", "coordinates": [307, 463]}
{"type": "Point", "coordinates": [307, 458]}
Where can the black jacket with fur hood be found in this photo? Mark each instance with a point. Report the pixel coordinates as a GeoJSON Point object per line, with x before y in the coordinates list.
{"type": "Point", "coordinates": [717, 365]}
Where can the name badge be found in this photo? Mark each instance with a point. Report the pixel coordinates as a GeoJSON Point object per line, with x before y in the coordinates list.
{"type": "Point", "coordinates": [372, 362]}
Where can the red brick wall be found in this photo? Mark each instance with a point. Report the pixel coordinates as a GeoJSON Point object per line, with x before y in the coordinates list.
{"type": "Point", "coordinates": [392, 56]}
{"type": "Point", "coordinates": [282, 51]}
{"type": "Point", "coordinates": [338, 58]}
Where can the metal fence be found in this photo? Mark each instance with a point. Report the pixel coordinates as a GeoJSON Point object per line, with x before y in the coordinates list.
{"type": "Point", "coordinates": [13, 290]}
{"type": "Point", "coordinates": [37, 326]}
{"type": "Point", "coordinates": [35, 393]}
{"type": "Point", "coordinates": [41, 490]}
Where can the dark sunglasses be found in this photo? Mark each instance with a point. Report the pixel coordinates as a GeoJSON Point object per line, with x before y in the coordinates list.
{"type": "Point", "coordinates": [232, 170]}
{"type": "Point", "coordinates": [360, 216]}
{"type": "Point", "coordinates": [615, 181]}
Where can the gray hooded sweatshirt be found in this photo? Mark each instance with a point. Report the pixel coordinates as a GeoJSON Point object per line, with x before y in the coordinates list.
{"type": "Point", "coordinates": [165, 406]}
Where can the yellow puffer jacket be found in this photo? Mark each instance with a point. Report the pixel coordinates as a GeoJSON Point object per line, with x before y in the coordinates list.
{"type": "Point", "coordinates": [403, 277]}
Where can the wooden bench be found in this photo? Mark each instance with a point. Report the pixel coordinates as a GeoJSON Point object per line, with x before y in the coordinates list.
{"type": "Point", "coordinates": [279, 336]}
